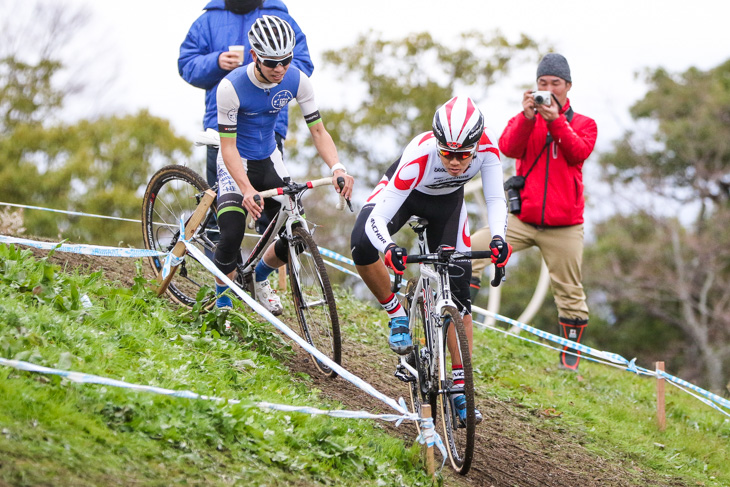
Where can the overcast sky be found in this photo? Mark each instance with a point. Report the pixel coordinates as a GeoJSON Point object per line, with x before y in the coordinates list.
{"type": "Point", "coordinates": [606, 44]}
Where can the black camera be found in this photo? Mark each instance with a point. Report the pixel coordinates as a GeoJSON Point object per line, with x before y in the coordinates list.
{"type": "Point", "coordinates": [513, 186]}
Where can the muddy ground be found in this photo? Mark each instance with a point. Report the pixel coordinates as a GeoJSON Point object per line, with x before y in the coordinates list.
{"type": "Point", "coordinates": [514, 447]}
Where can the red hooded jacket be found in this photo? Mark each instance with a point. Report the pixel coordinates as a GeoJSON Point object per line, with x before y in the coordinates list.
{"type": "Point", "coordinates": [553, 192]}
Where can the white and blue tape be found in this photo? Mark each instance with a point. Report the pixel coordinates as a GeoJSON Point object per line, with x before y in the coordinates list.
{"type": "Point", "coordinates": [96, 250]}
{"type": "Point", "coordinates": [83, 378]}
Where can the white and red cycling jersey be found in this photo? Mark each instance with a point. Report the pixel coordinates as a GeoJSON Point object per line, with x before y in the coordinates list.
{"type": "Point", "coordinates": [420, 169]}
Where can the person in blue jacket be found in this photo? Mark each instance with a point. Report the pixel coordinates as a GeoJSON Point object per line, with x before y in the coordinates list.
{"type": "Point", "coordinates": [205, 58]}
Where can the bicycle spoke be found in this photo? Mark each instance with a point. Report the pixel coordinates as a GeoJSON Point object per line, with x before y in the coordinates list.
{"type": "Point", "coordinates": [172, 194]}
{"type": "Point", "coordinates": [313, 299]}
{"type": "Point", "coordinates": [423, 389]}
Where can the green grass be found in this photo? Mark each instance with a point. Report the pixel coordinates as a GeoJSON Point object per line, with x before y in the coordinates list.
{"type": "Point", "coordinates": [54, 431]}
{"type": "Point", "coordinates": [608, 409]}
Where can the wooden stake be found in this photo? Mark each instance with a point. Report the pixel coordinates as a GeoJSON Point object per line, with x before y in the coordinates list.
{"type": "Point", "coordinates": [428, 450]}
{"type": "Point", "coordinates": [282, 278]}
{"type": "Point", "coordinates": [190, 227]}
{"type": "Point", "coordinates": [660, 410]}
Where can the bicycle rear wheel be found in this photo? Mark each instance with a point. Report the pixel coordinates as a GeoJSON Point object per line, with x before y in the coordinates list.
{"type": "Point", "coordinates": [459, 434]}
{"type": "Point", "coordinates": [173, 193]}
{"type": "Point", "coordinates": [424, 389]}
{"type": "Point", "coordinates": [314, 301]}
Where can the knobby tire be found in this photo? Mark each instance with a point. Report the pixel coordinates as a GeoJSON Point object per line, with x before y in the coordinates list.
{"type": "Point", "coordinates": [173, 192]}
{"type": "Point", "coordinates": [459, 438]}
{"type": "Point", "coordinates": [314, 301]}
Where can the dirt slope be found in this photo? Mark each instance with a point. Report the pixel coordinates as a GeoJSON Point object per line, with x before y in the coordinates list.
{"type": "Point", "coordinates": [512, 447]}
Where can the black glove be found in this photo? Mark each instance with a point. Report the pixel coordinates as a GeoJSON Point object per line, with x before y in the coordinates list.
{"type": "Point", "coordinates": [395, 258]}
{"type": "Point", "coordinates": [501, 251]}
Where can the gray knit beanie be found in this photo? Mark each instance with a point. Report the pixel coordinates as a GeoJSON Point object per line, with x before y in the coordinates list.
{"type": "Point", "coordinates": [554, 64]}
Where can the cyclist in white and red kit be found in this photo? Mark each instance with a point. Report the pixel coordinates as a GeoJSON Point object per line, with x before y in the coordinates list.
{"type": "Point", "coordinates": [428, 182]}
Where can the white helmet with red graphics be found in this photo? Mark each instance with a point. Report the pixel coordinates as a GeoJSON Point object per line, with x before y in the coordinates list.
{"type": "Point", "coordinates": [458, 124]}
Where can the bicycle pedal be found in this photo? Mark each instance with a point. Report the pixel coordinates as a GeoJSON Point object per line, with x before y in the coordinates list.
{"type": "Point", "coordinates": [402, 373]}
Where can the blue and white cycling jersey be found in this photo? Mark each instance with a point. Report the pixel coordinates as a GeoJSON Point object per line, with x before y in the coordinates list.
{"type": "Point", "coordinates": [248, 108]}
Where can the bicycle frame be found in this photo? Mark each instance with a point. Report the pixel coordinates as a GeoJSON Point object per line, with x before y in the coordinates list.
{"type": "Point", "coordinates": [287, 216]}
{"type": "Point", "coordinates": [432, 276]}
{"type": "Point", "coordinates": [183, 195]}
{"type": "Point", "coordinates": [440, 343]}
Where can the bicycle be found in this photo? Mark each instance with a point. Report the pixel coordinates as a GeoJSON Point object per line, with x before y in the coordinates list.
{"type": "Point", "coordinates": [434, 321]}
{"type": "Point", "coordinates": [176, 192]}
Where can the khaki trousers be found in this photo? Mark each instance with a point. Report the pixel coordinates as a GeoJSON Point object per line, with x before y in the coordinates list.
{"type": "Point", "coordinates": [562, 249]}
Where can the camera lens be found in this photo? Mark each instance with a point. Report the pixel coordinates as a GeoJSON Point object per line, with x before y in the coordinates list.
{"type": "Point", "coordinates": [539, 99]}
{"type": "Point", "coordinates": [514, 202]}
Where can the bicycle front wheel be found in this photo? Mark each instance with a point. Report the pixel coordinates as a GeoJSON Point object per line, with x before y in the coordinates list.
{"type": "Point", "coordinates": [423, 389]}
{"type": "Point", "coordinates": [174, 193]}
{"type": "Point", "coordinates": [314, 301]}
{"type": "Point", "coordinates": [459, 434]}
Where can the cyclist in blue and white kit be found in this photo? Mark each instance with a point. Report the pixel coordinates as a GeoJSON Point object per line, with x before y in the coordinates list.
{"type": "Point", "coordinates": [249, 100]}
{"type": "Point", "coordinates": [428, 181]}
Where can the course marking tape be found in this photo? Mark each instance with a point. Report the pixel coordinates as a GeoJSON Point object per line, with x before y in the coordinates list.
{"type": "Point", "coordinates": [342, 372]}
{"type": "Point", "coordinates": [82, 378]}
{"type": "Point", "coordinates": [96, 250]}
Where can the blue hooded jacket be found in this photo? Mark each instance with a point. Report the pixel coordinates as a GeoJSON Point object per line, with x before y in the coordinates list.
{"type": "Point", "coordinates": [212, 33]}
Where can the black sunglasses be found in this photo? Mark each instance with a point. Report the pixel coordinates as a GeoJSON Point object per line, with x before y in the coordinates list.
{"type": "Point", "coordinates": [273, 63]}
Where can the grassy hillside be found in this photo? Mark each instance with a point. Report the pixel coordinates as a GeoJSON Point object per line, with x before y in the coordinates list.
{"type": "Point", "coordinates": [56, 432]}
{"type": "Point", "coordinates": [598, 426]}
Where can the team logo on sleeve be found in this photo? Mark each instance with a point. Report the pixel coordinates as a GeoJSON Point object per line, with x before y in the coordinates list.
{"type": "Point", "coordinates": [281, 99]}
{"type": "Point", "coordinates": [410, 175]}
{"type": "Point", "coordinates": [233, 115]}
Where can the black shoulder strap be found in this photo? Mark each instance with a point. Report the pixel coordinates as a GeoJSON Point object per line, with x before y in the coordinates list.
{"type": "Point", "coordinates": [569, 114]}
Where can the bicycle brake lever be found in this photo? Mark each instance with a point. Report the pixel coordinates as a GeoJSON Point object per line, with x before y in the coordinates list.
{"type": "Point", "coordinates": [499, 276]}
{"type": "Point", "coordinates": [396, 283]}
{"type": "Point", "coordinates": [341, 184]}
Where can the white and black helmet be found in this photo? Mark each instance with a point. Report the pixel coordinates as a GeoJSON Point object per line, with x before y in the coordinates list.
{"type": "Point", "coordinates": [458, 123]}
{"type": "Point", "coordinates": [271, 37]}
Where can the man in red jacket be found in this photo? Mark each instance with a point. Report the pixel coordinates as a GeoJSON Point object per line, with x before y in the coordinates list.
{"type": "Point", "coordinates": [550, 143]}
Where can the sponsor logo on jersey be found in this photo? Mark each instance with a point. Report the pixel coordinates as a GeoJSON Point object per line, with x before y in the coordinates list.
{"type": "Point", "coordinates": [448, 183]}
{"type": "Point", "coordinates": [377, 232]}
{"type": "Point", "coordinates": [312, 117]}
{"type": "Point", "coordinates": [233, 115]}
{"type": "Point", "coordinates": [281, 99]}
